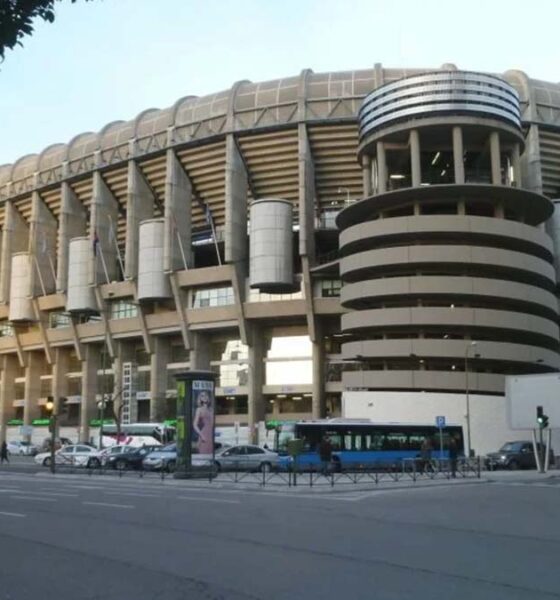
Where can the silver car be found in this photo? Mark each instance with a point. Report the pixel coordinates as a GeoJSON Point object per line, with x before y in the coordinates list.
{"type": "Point", "coordinates": [246, 457]}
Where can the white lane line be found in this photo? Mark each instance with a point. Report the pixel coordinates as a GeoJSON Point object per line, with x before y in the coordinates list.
{"type": "Point", "coordinates": [10, 514]}
{"type": "Point", "coordinates": [139, 494]}
{"type": "Point", "coordinates": [8, 490]}
{"type": "Point", "coordinates": [202, 499]}
{"type": "Point", "coordinates": [108, 504]}
{"type": "Point", "coordinates": [61, 494]}
{"type": "Point", "coordinates": [34, 498]}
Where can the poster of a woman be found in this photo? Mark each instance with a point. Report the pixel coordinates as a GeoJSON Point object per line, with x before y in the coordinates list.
{"type": "Point", "coordinates": [203, 420]}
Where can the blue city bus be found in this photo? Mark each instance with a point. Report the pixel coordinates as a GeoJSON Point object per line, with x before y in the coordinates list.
{"type": "Point", "coordinates": [363, 443]}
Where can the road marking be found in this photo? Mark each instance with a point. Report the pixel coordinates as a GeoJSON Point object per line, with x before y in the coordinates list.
{"type": "Point", "coordinates": [34, 498]}
{"type": "Point", "coordinates": [10, 514]}
{"type": "Point", "coordinates": [7, 490]}
{"type": "Point", "coordinates": [202, 499]}
{"type": "Point", "coordinates": [45, 493]}
{"type": "Point", "coordinates": [139, 494]}
{"type": "Point", "coordinates": [108, 504]}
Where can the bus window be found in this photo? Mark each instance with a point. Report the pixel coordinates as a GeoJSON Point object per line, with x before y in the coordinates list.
{"type": "Point", "coordinates": [395, 440]}
{"type": "Point", "coordinates": [373, 441]}
{"type": "Point", "coordinates": [415, 441]}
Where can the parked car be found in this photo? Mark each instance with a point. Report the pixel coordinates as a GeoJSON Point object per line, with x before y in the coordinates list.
{"type": "Point", "coordinates": [112, 451]}
{"type": "Point", "coordinates": [515, 455]}
{"type": "Point", "coordinates": [161, 459]}
{"type": "Point", "coordinates": [131, 458]}
{"type": "Point", "coordinates": [18, 448]}
{"type": "Point", "coordinates": [78, 455]}
{"type": "Point", "coordinates": [246, 457]}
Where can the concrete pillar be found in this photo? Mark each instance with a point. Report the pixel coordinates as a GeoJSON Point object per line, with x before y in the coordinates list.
{"type": "Point", "coordinates": [516, 165]}
{"type": "Point", "coordinates": [42, 245]}
{"type": "Point", "coordinates": [73, 224]}
{"type": "Point", "coordinates": [177, 217]}
{"type": "Point", "coordinates": [33, 372]}
{"type": "Point", "coordinates": [88, 407]}
{"type": "Point", "coordinates": [318, 405]}
{"type": "Point", "coordinates": [10, 367]}
{"type": "Point", "coordinates": [367, 184]}
{"type": "Point", "coordinates": [256, 408]}
{"type": "Point", "coordinates": [159, 359]}
{"type": "Point", "coordinates": [381, 168]}
{"type": "Point", "coordinates": [306, 195]}
{"type": "Point", "coordinates": [103, 225]}
{"type": "Point", "coordinates": [200, 352]}
{"type": "Point", "coordinates": [531, 164]}
{"type": "Point", "coordinates": [495, 158]}
{"type": "Point", "coordinates": [458, 153]}
{"type": "Point", "coordinates": [15, 238]}
{"type": "Point", "coordinates": [236, 186]}
{"type": "Point", "coordinates": [139, 207]}
{"type": "Point", "coordinates": [59, 372]}
{"type": "Point", "coordinates": [416, 169]}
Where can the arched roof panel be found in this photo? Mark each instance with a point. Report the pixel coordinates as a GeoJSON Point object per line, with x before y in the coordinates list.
{"type": "Point", "coordinates": [52, 156]}
{"type": "Point", "coordinates": [24, 167]}
{"type": "Point", "coordinates": [115, 134]}
{"type": "Point", "coordinates": [82, 145]}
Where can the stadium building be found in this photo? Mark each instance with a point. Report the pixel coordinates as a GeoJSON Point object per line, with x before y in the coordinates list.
{"type": "Point", "coordinates": [379, 242]}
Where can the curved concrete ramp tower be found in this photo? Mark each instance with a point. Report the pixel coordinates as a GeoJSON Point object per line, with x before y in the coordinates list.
{"type": "Point", "coordinates": [448, 249]}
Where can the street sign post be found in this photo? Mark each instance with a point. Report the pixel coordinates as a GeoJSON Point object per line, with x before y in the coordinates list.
{"type": "Point", "coordinates": [440, 424]}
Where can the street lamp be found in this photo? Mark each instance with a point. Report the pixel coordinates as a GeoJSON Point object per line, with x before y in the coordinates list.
{"type": "Point", "coordinates": [468, 406]}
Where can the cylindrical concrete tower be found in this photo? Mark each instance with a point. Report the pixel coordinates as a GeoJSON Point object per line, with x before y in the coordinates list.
{"type": "Point", "coordinates": [448, 261]}
{"type": "Point", "coordinates": [152, 280]}
{"type": "Point", "coordinates": [271, 252]}
{"type": "Point", "coordinates": [20, 288]}
{"type": "Point", "coordinates": [80, 296]}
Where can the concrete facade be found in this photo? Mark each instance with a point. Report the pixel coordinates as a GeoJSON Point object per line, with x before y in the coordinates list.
{"type": "Point", "coordinates": [431, 256]}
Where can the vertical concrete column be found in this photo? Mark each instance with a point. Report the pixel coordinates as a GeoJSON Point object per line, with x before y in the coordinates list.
{"type": "Point", "coordinates": [531, 164]}
{"type": "Point", "coordinates": [159, 358]}
{"type": "Point", "coordinates": [367, 186]}
{"type": "Point", "coordinates": [88, 407]}
{"type": "Point", "coordinates": [10, 366]}
{"type": "Point", "coordinates": [415, 164]}
{"type": "Point", "coordinates": [177, 217]}
{"type": "Point", "coordinates": [72, 224]}
{"type": "Point", "coordinates": [200, 352]}
{"type": "Point", "coordinates": [103, 227]}
{"type": "Point", "coordinates": [32, 387]}
{"type": "Point", "coordinates": [306, 195]}
{"type": "Point", "coordinates": [236, 186]}
{"type": "Point", "coordinates": [318, 405]}
{"type": "Point", "coordinates": [381, 168]}
{"type": "Point", "coordinates": [42, 246]}
{"type": "Point", "coordinates": [458, 153]}
{"type": "Point", "coordinates": [495, 158]}
{"type": "Point", "coordinates": [516, 165]}
{"type": "Point", "coordinates": [139, 207]}
{"type": "Point", "coordinates": [255, 401]}
{"type": "Point", "coordinates": [15, 238]}
{"type": "Point", "coordinates": [59, 372]}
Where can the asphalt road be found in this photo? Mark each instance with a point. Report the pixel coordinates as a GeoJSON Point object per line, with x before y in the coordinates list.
{"type": "Point", "coordinates": [82, 538]}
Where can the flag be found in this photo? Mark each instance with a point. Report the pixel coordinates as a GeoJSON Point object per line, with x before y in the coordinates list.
{"type": "Point", "coordinates": [95, 243]}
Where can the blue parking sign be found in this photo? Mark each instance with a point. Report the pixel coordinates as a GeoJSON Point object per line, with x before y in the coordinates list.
{"type": "Point", "coordinates": [440, 422]}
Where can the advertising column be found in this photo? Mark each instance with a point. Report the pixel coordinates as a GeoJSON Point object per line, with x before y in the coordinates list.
{"type": "Point", "coordinates": [195, 421]}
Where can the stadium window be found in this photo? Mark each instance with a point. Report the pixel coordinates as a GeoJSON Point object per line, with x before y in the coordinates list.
{"type": "Point", "coordinates": [210, 297]}
{"type": "Point", "coordinates": [330, 288]}
{"type": "Point", "coordinates": [122, 309]}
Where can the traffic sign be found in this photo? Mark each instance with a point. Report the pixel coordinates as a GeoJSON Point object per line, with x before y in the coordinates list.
{"type": "Point", "coordinates": [440, 422]}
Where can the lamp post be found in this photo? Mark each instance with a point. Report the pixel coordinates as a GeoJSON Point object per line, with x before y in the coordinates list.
{"type": "Point", "coordinates": [467, 400]}
{"type": "Point", "coordinates": [52, 426]}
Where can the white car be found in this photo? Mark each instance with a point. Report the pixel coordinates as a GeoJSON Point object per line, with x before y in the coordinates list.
{"type": "Point", "coordinates": [22, 448]}
{"type": "Point", "coordinates": [78, 455]}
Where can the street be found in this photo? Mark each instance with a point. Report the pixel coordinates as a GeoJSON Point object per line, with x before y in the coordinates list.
{"type": "Point", "coordinates": [86, 538]}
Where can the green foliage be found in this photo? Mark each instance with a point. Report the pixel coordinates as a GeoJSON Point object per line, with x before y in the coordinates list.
{"type": "Point", "coordinates": [16, 20]}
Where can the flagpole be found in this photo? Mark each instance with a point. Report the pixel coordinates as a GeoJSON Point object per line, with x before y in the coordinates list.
{"type": "Point", "coordinates": [211, 221]}
{"type": "Point", "coordinates": [40, 275]}
{"type": "Point", "coordinates": [114, 238]}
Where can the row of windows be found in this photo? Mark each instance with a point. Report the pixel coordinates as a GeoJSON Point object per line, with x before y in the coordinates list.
{"type": "Point", "coordinates": [222, 296]}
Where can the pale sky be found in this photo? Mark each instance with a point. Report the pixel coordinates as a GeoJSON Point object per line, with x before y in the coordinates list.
{"type": "Point", "coordinates": [111, 59]}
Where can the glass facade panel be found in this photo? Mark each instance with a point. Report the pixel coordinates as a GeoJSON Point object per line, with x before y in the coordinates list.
{"type": "Point", "coordinates": [58, 320]}
{"type": "Point", "coordinates": [123, 309]}
{"type": "Point", "coordinates": [209, 297]}
{"type": "Point", "coordinates": [330, 288]}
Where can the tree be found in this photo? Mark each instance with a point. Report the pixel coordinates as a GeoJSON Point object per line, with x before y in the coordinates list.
{"type": "Point", "coordinates": [16, 20]}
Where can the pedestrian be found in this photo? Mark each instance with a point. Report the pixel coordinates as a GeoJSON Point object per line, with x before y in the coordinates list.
{"type": "Point", "coordinates": [426, 455]}
{"type": "Point", "coordinates": [325, 454]}
{"type": "Point", "coordinates": [4, 453]}
{"type": "Point", "coordinates": [453, 451]}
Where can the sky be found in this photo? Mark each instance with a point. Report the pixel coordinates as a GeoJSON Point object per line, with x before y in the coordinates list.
{"type": "Point", "coordinates": [107, 60]}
